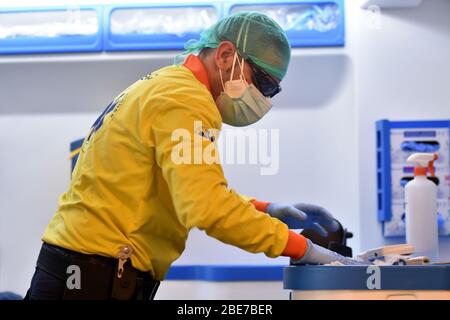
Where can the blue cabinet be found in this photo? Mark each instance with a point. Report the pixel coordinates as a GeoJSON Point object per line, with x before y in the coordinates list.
{"type": "Point", "coordinates": [50, 30]}
{"type": "Point", "coordinates": [319, 23]}
{"type": "Point", "coordinates": [156, 27]}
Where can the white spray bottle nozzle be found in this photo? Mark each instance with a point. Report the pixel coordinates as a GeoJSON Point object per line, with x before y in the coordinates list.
{"type": "Point", "coordinates": [423, 160]}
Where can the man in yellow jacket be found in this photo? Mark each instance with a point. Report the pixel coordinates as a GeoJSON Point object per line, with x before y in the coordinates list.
{"type": "Point", "coordinates": [134, 196]}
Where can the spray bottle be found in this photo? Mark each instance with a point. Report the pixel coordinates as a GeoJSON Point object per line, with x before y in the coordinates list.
{"type": "Point", "coordinates": [421, 207]}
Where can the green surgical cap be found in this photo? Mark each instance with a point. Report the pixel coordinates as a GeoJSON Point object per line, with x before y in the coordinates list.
{"type": "Point", "coordinates": [256, 36]}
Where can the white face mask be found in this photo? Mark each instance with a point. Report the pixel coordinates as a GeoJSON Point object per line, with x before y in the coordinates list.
{"type": "Point", "coordinates": [241, 104]}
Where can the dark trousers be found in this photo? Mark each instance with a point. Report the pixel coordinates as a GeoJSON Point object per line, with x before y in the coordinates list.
{"type": "Point", "coordinates": [98, 278]}
{"type": "Point", "coordinates": [45, 286]}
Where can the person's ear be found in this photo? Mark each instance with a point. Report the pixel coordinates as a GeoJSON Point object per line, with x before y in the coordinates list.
{"type": "Point", "coordinates": [224, 55]}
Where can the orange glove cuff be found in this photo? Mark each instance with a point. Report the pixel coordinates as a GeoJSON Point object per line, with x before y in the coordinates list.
{"type": "Point", "coordinates": [260, 205]}
{"type": "Point", "coordinates": [296, 246]}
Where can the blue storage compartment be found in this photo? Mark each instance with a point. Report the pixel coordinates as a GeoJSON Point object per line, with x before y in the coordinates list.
{"type": "Point", "coordinates": [396, 141]}
{"type": "Point", "coordinates": [50, 29]}
{"type": "Point", "coordinates": [156, 27]}
{"type": "Point", "coordinates": [319, 23]}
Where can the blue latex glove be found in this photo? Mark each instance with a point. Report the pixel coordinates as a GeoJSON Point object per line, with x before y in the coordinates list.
{"type": "Point", "coordinates": [286, 213]}
{"type": "Point", "coordinates": [318, 255]}
{"type": "Point", "coordinates": [303, 216]}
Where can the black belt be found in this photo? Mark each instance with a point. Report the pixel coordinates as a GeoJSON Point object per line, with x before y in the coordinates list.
{"type": "Point", "coordinates": [94, 277]}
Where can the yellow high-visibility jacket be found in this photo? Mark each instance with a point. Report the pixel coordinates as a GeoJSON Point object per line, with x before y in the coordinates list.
{"type": "Point", "coordinates": [128, 186]}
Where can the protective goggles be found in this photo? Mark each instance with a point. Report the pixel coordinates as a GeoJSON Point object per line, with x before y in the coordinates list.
{"type": "Point", "coordinates": [265, 83]}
